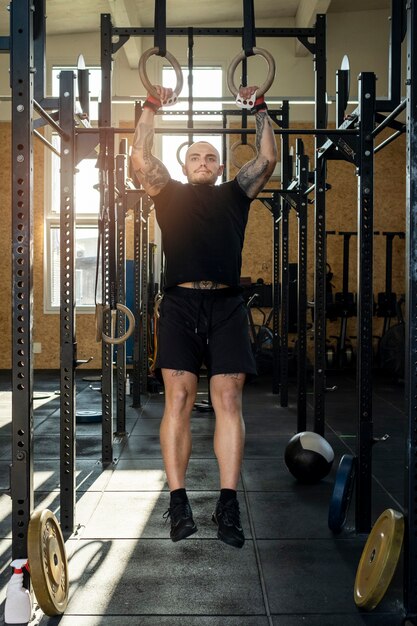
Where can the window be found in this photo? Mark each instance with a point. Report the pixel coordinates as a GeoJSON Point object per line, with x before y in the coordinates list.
{"type": "Point", "coordinates": [94, 86]}
{"type": "Point", "coordinates": [85, 265]}
{"type": "Point", "coordinates": [207, 83]}
{"type": "Point", "coordinates": [87, 200]}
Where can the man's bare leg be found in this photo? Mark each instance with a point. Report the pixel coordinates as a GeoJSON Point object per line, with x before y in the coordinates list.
{"type": "Point", "coordinates": [229, 435]}
{"type": "Point", "coordinates": [229, 440]}
{"type": "Point", "coordinates": [175, 437]}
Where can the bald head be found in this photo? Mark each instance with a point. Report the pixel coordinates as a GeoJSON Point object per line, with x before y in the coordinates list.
{"type": "Point", "coordinates": [202, 164]}
{"type": "Point", "coordinates": [202, 145]}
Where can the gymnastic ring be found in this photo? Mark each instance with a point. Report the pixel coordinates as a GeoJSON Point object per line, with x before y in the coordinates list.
{"type": "Point", "coordinates": [238, 58]}
{"type": "Point", "coordinates": [124, 309]}
{"type": "Point", "coordinates": [233, 149]}
{"type": "Point", "coordinates": [145, 80]}
{"type": "Point", "coordinates": [180, 147]}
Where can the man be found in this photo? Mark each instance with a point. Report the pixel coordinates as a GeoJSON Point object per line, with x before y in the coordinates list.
{"type": "Point", "coordinates": [203, 317]}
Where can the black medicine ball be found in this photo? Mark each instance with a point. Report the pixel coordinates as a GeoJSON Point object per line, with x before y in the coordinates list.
{"type": "Point", "coordinates": [309, 457]}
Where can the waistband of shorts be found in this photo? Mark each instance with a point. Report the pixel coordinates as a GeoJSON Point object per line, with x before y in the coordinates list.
{"type": "Point", "coordinates": [187, 292]}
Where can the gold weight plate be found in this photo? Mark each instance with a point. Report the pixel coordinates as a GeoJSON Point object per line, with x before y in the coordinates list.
{"type": "Point", "coordinates": [379, 559]}
{"type": "Point", "coordinates": [48, 562]}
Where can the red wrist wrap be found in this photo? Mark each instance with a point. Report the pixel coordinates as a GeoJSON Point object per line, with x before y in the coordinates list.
{"type": "Point", "coordinates": [260, 105]}
{"type": "Point", "coordinates": [152, 103]}
{"type": "Point", "coordinates": [155, 101]}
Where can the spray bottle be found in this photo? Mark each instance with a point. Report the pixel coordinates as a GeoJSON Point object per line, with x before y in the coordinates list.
{"type": "Point", "coordinates": [18, 606]}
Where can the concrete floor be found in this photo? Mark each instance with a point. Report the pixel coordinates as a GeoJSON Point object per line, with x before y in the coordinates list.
{"type": "Point", "coordinates": [124, 570]}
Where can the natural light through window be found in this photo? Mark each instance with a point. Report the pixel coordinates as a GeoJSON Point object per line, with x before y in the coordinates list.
{"type": "Point", "coordinates": [87, 205]}
{"type": "Point", "coordinates": [207, 83]}
{"type": "Point", "coordinates": [94, 86]}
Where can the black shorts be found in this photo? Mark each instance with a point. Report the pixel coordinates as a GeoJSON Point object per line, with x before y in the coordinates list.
{"type": "Point", "coordinates": [204, 326]}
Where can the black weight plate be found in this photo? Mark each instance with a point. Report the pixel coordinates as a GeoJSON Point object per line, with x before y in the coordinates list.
{"type": "Point", "coordinates": [88, 416]}
{"type": "Point", "coordinates": [342, 493]}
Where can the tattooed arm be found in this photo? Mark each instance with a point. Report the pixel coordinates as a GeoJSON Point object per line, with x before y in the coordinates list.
{"type": "Point", "coordinates": [253, 176]}
{"type": "Point", "coordinates": [150, 171]}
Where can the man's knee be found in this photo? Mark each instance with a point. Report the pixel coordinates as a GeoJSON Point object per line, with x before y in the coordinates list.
{"type": "Point", "coordinates": [179, 399]}
{"type": "Point", "coordinates": [180, 392]}
{"type": "Point", "coordinates": [227, 394]}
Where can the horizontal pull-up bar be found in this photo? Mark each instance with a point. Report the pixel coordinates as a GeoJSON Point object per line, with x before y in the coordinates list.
{"type": "Point", "coordinates": [216, 32]}
{"type": "Point", "coordinates": [307, 100]}
{"type": "Point", "coordinates": [224, 131]}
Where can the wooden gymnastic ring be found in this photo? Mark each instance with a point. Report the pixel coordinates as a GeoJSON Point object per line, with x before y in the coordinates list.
{"type": "Point", "coordinates": [235, 62]}
{"type": "Point", "coordinates": [145, 80]}
{"type": "Point", "coordinates": [184, 143]}
{"type": "Point", "coordinates": [124, 309]}
{"type": "Point", "coordinates": [233, 150]}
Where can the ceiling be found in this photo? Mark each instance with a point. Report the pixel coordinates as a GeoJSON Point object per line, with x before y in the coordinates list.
{"type": "Point", "coordinates": [80, 16]}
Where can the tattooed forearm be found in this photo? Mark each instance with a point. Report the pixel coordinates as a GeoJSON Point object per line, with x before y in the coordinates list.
{"type": "Point", "coordinates": [156, 178]}
{"type": "Point", "coordinates": [261, 120]}
{"type": "Point", "coordinates": [143, 140]}
{"type": "Point", "coordinates": [250, 174]}
{"type": "Point", "coordinates": [151, 172]}
{"type": "Point", "coordinates": [253, 175]}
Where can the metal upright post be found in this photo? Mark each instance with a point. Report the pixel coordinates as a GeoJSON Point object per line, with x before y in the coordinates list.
{"type": "Point", "coordinates": [108, 287]}
{"type": "Point", "coordinates": [146, 209]}
{"type": "Point", "coordinates": [365, 301]}
{"type": "Point", "coordinates": [107, 206]}
{"type": "Point", "coordinates": [21, 470]}
{"type": "Point", "coordinates": [284, 231]}
{"type": "Point", "coordinates": [285, 285]}
{"type": "Point", "coordinates": [276, 296]}
{"type": "Point", "coordinates": [320, 232]}
{"type": "Point", "coordinates": [121, 291]}
{"type": "Point", "coordinates": [39, 36]}
{"type": "Point", "coordinates": [67, 299]}
{"type": "Point", "coordinates": [302, 296]}
{"type": "Point", "coordinates": [410, 552]}
{"type": "Point", "coordinates": [276, 283]}
{"type": "Point", "coordinates": [137, 233]}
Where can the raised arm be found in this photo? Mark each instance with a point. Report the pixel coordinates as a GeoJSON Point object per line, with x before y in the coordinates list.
{"type": "Point", "coordinates": [254, 175]}
{"type": "Point", "coordinates": [150, 171]}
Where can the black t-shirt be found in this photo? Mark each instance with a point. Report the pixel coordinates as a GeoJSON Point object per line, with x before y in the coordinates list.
{"type": "Point", "coordinates": [203, 228]}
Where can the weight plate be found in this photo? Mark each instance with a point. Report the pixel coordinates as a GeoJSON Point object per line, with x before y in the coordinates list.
{"type": "Point", "coordinates": [88, 416]}
{"type": "Point", "coordinates": [342, 493]}
{"type": "Point", "coordinates": [379, 559]}
{"type": "Point", "coordinates": [48, 562]}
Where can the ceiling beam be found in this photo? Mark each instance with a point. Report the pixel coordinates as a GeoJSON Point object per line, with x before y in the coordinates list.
{"type": "Point", "coordinates": [306, 18]}
{"type": "Point", "coordinates": [124, 13]}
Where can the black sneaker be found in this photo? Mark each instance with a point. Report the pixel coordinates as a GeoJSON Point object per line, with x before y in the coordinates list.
{"type": "Point", "coordinates": [227, 518]}
{"type": "Point", "coordinates": [182, 523]}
